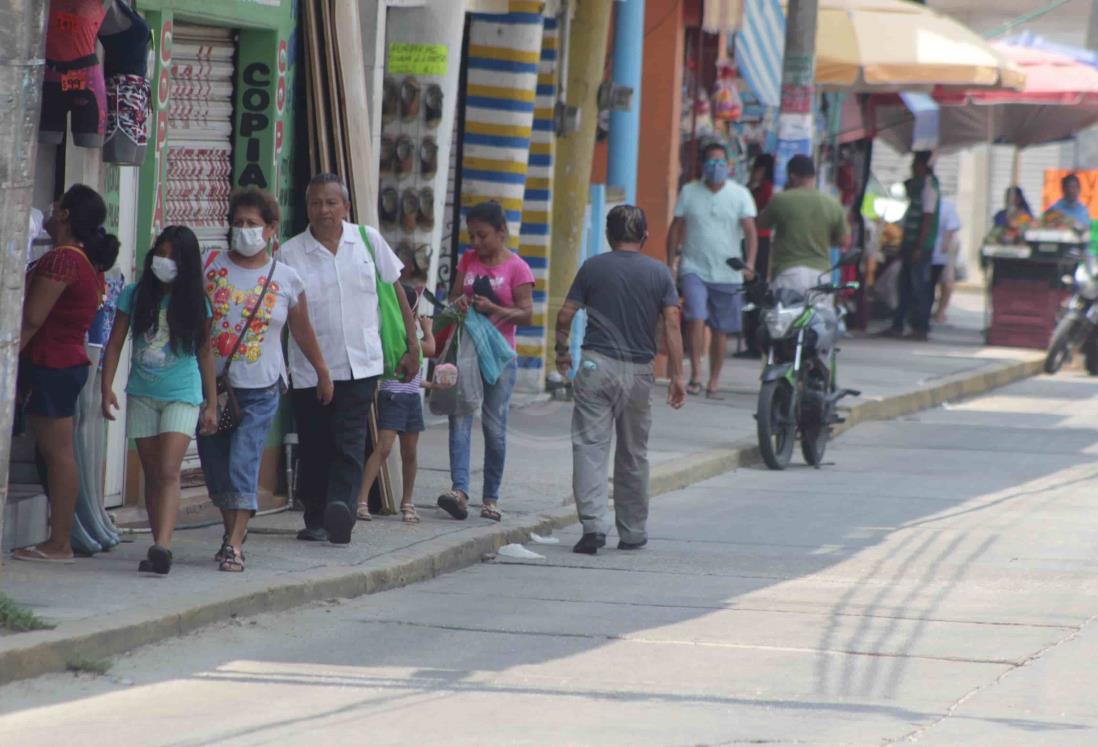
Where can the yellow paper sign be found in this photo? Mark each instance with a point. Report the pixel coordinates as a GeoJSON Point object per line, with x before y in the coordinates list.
{"type": "Point", "coordinates": [417, 59]}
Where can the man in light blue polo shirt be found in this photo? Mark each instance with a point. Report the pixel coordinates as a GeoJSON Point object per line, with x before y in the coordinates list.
{"type": "Point", "coordinates": [714, 219]}
{"type": "Point", "coordinates": [1070, 205]}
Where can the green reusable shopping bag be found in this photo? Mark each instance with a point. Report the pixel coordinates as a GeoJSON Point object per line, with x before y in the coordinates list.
{"type": "Point", "coordinates": [394, 340]}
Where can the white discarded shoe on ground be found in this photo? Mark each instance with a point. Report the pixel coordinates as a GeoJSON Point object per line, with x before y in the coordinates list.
{"type": "Point", "coordinates": [518, 552]}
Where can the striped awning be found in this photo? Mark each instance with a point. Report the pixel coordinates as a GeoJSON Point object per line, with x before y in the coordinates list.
{"type": "Point", "coordinates": [760, 44]}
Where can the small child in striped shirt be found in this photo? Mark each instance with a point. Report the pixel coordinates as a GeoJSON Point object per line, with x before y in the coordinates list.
{"type": "Point", "coordinates": [399, 413]}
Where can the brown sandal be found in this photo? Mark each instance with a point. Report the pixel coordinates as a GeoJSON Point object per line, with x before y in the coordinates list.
{"type": "Point", "coordinates": [428, 158]}
{"type": "Point", "coordinates": [432, 105]}
{"type": "Point", "coordinates": [387, 160]}
{"type": "Point", "coordinates": [489, 511]}
{"type": "Point", "coordinates": [409, 99]}
{"type": "Point", "coordinates": [405, 156]}
{"type": "Point", "coordinates": [409, 209]}
{"type": "Point", "coordinates": [232, 562]}
{"type": "Point", "coordinates": [425, 217]}
{"type": "Point", "coordinates": [390, 100]}
{"type": "Point", "coordinates": [388, 207]}
{"type": "Point", "coordinates": [453, 502]}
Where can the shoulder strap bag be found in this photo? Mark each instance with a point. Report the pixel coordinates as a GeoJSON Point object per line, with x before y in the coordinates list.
{"type": "Point", "coordinates": [394, 340]}
{"type": "Point", "coordinates": [228, 409]}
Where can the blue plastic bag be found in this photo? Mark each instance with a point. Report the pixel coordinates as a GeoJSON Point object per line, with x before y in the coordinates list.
{"type": "Point", "coordinates": [492, 348]}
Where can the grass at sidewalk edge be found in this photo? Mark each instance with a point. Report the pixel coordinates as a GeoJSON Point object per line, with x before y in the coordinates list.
{"type": "Point", "coordinates": [16, 619]}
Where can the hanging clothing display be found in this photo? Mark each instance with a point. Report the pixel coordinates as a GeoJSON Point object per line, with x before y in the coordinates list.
{"type": "Point", "coordinates": [73, 80]}
{"type": "Point", "coordinates": [126, 38]}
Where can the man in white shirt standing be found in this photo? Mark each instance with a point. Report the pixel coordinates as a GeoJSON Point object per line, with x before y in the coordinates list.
{"type": "Point", "coordinates": [340, 277]}
{"type": "Point", "coordinates": [946, 257]}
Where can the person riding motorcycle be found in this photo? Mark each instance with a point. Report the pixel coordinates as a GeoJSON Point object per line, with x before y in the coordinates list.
{"type": "Point", "coordinates": [806, 224]}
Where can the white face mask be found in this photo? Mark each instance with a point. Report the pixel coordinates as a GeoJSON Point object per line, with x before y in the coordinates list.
{"type": "Point", "coordinates": [248, 241]}
{"type": "Point", "coordinates": [165, 269]}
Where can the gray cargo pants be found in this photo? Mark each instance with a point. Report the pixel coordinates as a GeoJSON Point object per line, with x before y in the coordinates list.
{"type": "Point", "coordinates": [611, 395]}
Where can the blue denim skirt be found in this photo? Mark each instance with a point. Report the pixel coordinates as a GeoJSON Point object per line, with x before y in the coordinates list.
{"type": "Point", "coordinates": [230, 461]}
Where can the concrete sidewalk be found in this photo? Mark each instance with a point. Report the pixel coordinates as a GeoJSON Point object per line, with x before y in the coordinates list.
{"type": "Point", "coordinates": [102, 607]}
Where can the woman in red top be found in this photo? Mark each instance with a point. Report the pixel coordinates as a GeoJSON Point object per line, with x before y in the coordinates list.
{"type": "Point", "coordinates": [761, 184]}
{"type": "Point", "coordinates": [64, 290]}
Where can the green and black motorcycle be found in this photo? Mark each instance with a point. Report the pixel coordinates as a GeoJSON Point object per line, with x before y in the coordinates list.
{"type": "Point", "coordinates": [799, 394]}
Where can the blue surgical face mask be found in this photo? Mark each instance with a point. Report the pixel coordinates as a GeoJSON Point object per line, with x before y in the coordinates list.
{"type": "Point", "coordinates": [715, 171]}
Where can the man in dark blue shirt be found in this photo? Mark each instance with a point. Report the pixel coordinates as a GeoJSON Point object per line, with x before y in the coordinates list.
{"type": "Point", "coordinates": [1070, 205]}
{"type": "Point", "coordinates": [625, 294]}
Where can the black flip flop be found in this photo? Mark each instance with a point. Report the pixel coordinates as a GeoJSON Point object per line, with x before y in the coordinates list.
{"type": "Point", "coordinates": [339, 521]}
{"type": "Point", "coordinates": [449, 503]}
{"type": "Point", "coordinates": [160, 558]}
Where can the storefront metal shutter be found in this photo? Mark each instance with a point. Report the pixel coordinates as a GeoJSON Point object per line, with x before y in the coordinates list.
{"type": "Point", "coordinates": [1031, 171]}
{"type": "Point", "coordinates": [200, 127]}
{"type": "Point", "coordinates": [892, 167]}
{"type": "Point", "coordinates": [199, 145]}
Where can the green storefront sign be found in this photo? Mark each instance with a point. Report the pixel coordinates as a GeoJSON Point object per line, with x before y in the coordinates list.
{"type": "Point", "coordinates": [262, 116]}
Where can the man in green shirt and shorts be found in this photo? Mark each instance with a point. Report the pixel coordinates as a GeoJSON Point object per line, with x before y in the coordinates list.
{"type": "Point", "coordinates": [806, 224]}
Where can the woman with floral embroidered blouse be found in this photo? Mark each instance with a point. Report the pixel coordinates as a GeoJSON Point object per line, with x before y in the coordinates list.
{"type": "Point", "coordinates": [253, 297]}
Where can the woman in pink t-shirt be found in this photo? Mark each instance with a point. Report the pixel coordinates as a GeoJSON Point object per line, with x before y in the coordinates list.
{"type": "Point", "coordinates": [498, 284]}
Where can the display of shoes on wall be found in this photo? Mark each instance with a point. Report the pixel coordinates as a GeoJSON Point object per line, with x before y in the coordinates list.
{"type": "Point", "coordinates": [412, 109]}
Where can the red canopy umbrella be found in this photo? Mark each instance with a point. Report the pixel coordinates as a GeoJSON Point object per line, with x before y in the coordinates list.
{"type": "Point", "coordinates": [1060, 98]}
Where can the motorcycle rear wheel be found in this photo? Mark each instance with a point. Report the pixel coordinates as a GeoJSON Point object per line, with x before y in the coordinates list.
{"type": "Point", "coordinates": [777, 425]}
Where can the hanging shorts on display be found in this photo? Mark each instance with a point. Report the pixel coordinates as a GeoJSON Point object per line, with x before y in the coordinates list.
{"type": "Point", "coordinates": [125, 37]}
{"type": "Point", "coordinates": [73, 80]}
{"type": "Point", "coordinates": [127, 119]}
{"type": "Point", "coordinates": [78, 92]}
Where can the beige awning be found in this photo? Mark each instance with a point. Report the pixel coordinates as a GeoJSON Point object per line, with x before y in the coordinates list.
{"type": "Point", "coordinates": [721, 16]}
{"type": "Point", "coordinates": [894, 45]}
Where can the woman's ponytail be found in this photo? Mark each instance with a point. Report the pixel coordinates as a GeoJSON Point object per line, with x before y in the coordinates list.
{"type": "Point", "coordinates": [87, 212]}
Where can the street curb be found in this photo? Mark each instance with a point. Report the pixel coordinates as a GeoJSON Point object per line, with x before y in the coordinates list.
{"type": "Point", "coordinates": [26, 655]}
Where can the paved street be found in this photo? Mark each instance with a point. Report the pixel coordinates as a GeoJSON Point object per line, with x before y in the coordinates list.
{"type": "Point", "coordinates": [937, 582]}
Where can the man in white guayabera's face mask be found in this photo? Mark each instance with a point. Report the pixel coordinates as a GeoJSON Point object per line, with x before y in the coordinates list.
{"type": "Point", "coordinates": [341, 265]}
{"type": "Point", "coordinates": [252, 297]}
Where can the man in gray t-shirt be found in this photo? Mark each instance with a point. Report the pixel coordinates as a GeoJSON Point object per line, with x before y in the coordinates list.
{"type": "Point", "coordinates": [625, 293]}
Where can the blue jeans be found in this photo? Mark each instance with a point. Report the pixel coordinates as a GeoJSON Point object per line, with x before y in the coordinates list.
{"type": "Point", "coordinates": [497, 400]}
{"type": "Point", "coordinates": [916, 296]}
{"type": "Point", "coordinates": [230, 461]}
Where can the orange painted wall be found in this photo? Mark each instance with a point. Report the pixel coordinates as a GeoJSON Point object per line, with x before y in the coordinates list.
{"type": "Point", "coordinates": [661, 107]}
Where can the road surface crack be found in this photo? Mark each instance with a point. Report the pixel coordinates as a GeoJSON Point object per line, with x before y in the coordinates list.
{"type": "Point", "coordinates": [914, 735]}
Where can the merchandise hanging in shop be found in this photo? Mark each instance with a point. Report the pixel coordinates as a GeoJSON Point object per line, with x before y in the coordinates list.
{"type": "Point", "coordinates": [73, 86]}
{"type": "Point", "coordinates": [126, 39]}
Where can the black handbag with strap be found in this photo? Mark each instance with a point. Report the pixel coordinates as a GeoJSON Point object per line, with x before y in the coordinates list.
{"type": "Point", "coordinates": [228, 409]}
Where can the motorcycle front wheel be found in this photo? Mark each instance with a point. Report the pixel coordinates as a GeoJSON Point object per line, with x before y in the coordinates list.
{"type": "Point", "coordinates": [777, 425]}
{"type": "Point", "coordinates": [1060, 347]}
{"type": "Point", "coordinates": [814, 443]}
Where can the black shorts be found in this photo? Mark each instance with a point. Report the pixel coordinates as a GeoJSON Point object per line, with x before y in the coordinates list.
{"type": "Point", "coordinates": [399, 412]}
{"type": "Point", "coordinates": [52, 391]}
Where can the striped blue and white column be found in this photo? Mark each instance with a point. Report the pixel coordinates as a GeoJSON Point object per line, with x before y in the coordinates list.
{"type": "Point", "coordinates": [504, 64]}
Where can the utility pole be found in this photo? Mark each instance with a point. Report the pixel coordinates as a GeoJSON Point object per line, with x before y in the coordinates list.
{"type": "Point", "coordinates": [796, 126]}
{"type": "Point", "coordinates": [625, 125]}
{"type": "Point", "coordinates": [588, 34]}
{"type": "Point", "coordinates": [23, 38]}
